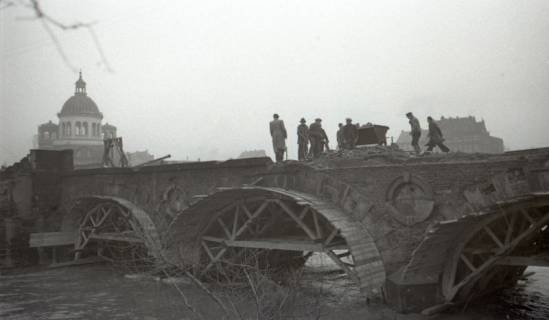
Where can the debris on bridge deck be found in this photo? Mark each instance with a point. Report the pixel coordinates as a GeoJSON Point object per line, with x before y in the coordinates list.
{"type": "Point", "coordinates": [379, 155]}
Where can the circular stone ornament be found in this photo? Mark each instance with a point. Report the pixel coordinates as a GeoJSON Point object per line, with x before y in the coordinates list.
{"type": "Point", "coordinates": [409, 200]}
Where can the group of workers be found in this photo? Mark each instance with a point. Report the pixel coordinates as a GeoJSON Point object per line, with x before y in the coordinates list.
{"type": "Point", "coordinates": [347, 137]}
{"type": "Point", "coordinates": [313, 134]}
{"type": "Point", "coordinates": [435, 135]}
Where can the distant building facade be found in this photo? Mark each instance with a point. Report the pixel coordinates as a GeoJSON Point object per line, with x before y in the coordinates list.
{"type": "Point", "coordinates": [462, 134]}
{"type": "Point", "coordinates": [79, 128]}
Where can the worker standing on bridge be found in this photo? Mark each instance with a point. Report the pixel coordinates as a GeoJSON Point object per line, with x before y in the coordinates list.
{"type": "Point", "coordinates": [302, 140]}
{"type": "Point", "coordinates": [415, 132]}
{"type": "Point", "coordinates": [435, 137]}
{"type": "Point", "coordinates": [350, 134]}
{"type": "Point", "coordinates": [324, 143]}
{"type": "Point", "coordinates": [316, 137]}
{"type": "Point", "coordinates": [279, 135]}
{"type": "Point", "coordinates": [340, 137]}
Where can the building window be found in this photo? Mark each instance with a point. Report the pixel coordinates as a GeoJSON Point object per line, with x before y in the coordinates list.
{"type": "Point", "coordinates": [69, 129]}
{"type": "Point", "coordinates": [85, 129]}
{"type": "Point", "coordinates": [78, 129]}
{"type": "Point", "coordinates": [93, 130]}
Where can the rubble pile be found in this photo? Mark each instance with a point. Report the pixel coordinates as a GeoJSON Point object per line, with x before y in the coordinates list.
{"type": "Point", "coordinates": [382, 155]}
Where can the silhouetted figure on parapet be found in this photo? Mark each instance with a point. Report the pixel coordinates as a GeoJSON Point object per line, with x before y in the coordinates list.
{"type": "Point", "coordinates": [415, 132]}
{"type": "Point", "coordinates": [279, 135]}
{"type": "Point", "coordinates": [435, 137]}
{"type": "Point", "coordinates": [340, 140]}
{"type": "Point", "coordinates": [350, 134]}
{"type": "Point", "coordinates": [302, 140]}
{"type": "Point", "coordinates": [316, 136]}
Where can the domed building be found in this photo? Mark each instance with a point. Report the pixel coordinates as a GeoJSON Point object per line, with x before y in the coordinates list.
{"type": "Point", "coordinates": [79, 129]}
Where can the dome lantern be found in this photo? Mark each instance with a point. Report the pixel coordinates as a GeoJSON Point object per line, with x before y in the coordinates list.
{"type": "Point", "coordinates": [80, 85]}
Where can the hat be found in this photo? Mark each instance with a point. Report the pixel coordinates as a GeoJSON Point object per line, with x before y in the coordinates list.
{"type": "Point", "coordinates": [318, 119]}
{"type": "Point", "coordinates": [275, 115]}
{"type": "Point", "coordinates": [302, 120]}
{"type": "Point", "coordinates": [408, 114]}
{"type": "Point", "coordinates": [349, 120]}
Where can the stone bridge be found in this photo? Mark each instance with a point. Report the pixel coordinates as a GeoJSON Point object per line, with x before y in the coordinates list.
{"type": "Point", "coordinates": [417, 231]}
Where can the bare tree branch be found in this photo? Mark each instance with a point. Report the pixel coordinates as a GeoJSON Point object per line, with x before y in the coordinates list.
{"type": "Point", "coordinates": [48, 22]}
{"type": "Point", "coordinates": [58, 46]}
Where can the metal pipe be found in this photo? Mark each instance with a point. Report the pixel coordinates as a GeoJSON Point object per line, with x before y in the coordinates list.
{"type": "Point", "coordinates": [152, 161]}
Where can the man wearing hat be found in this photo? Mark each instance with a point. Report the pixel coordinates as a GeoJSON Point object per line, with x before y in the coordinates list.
{"type": "Point", "coordinates": [278, 133]}
{"type": "Point", "coordinates": [415, 132]}
{"type": "Point", "coordinates": [350, 134]}
{"type": "Point", "coordinates": [302, 140]}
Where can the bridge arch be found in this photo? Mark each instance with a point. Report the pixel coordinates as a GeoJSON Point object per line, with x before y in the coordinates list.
{"type": "Point", "coordinates": [105, 219]}
{"type": "Point", "coordinates": [215, 233]}
{"type": "Point", "coordinates": [498, 247]}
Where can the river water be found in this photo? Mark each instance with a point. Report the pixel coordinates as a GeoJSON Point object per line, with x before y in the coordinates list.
{"type": "Point", "coordinates": [99, 292]}
{"type": "Point", "coordinates": [528, 300]}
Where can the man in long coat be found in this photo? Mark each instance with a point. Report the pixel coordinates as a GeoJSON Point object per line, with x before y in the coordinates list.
{"type": "Point", "coordinates": [278, 133]}
{"type": "Point", "coordinates": [302, 140]}
{"type": "Point", "coordinates": [317, 135]}
{"type": "Point", "coordinates": [415, 132]}
{"type": "Point", "coordinates": [350, 134]}
{"type": "Point", "coordinates": [435, 137]}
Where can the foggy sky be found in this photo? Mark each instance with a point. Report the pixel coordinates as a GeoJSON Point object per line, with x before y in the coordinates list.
{"type": "Point", "coordinates": [201, 79]}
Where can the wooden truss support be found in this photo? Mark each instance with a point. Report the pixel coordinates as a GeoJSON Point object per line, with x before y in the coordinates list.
{"type": "Point", "coordinates": [488, 256]}
{"type": "Point", "coordinates": [97, 219]}
{"type": "Point", "coordinates": [296, 218]}
{"type": "Point", "coordinates": [235, 231]}
{"type": "Point", "coordinates": [318, 236]}
{"type": "Point", "coordinates": [493, 236]}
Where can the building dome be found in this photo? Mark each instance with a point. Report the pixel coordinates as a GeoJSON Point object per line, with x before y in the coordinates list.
{"type": "Point", "coordinates": [80, 104]}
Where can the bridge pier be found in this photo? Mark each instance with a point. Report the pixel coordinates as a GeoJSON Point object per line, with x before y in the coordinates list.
{"type": "Point", "coordinates": [412, 295]}
{"type": "Point", "coordinates": [10, 227]}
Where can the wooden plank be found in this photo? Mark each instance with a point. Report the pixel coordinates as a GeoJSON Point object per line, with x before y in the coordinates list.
{"type": "Point", "coordinates": [331, 236]}
{"type": "Point", "coordinates": [304, 212]}
{"type": "Point", "coordinates": [493, 236]}
{"type": "Point", "coordinates": [317, 225]}
{"type": "Point", "coordinates": [256, 214]}
{"type": "Point", "coordinates": [351, 273]}
{"type": "Point", "coordinates": [88, 260]}
{"type": "Point", "coordinates": [511, 228]}
{"type": "Point", "coordinates": [467, 263]}
{"type": "Point", "coordinates": [51, 239]}
{"type": "Point", "coordinates": [124, 237]}
{"type": "Point", "coordinates": [292, 214]}
{"type": "Point", "coordinates": [524, 261]}
{"type": "Point", "coordinates": [224, 227]}
{"type": "Point", "coordinates": [235, 221]}
{"type": "Point", "coordinates": [277, 244]}
{"type": "Point", "coordinates": [528, 217]}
